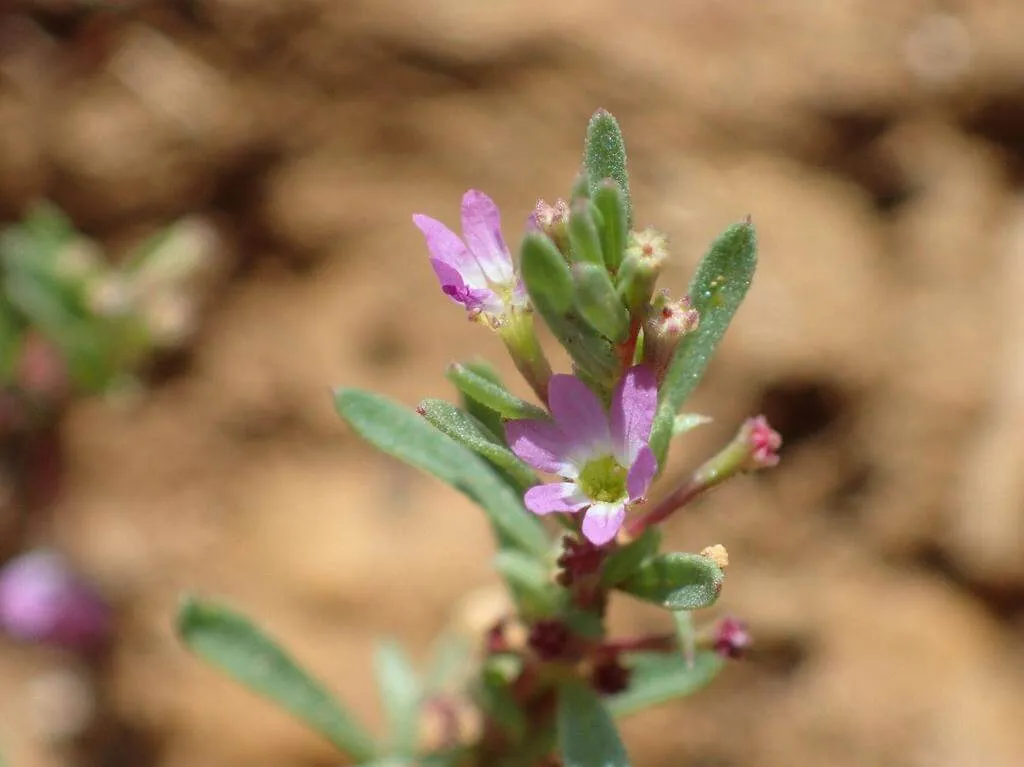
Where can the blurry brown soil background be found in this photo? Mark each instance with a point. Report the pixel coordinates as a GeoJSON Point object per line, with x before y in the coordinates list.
{"type": "Point", "coordinates": [879, 147]}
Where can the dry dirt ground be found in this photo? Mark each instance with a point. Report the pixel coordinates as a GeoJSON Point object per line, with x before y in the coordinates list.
{"type": "Point", "coordinates": [879, 147]}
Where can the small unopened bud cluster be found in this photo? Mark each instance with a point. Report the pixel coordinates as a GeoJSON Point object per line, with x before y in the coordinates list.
{"type": "Point", "coordinates": [665, 324]}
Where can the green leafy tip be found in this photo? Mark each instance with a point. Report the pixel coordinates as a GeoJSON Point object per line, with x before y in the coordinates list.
{"type": "Point", "coordinates": [401, 433]}
{"type": "Point", "coordinates": [676, 581]}
{"type": "Point", "coordinates": [228, 641]}
{"type": "Point", "coordinates": [716, 291]}
{"type": "Point", "coordinates": [586, 733]}
{"type": "Point", "coordinates": [604, 156]}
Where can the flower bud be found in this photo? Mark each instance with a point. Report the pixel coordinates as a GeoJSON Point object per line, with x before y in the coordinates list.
{"type": "Point", "coordinates": [552, 220]}
{"type": "Point", "coordinates": [646, 253]}
{"type": "Point", "coordinates": [761, 442]}
{"type": "Point", "coordinates": [731, 638]}
{"type": "Point", "coordinates": [665, 324]}
{"type": "Point", "coordinates": [42, 600]}
{"type": "Point", "coordinates": [610, 676]}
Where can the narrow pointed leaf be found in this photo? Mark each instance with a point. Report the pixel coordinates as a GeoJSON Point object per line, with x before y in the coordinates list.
{"type": "Point", "coordinates": [661, 677]}
{"type": "Point", "coordinates": [550, 285]}
{"type": "Point", "coordinates": [599, 303]}
{"type": "Point", "coordinates": [716, 290]}
{"type": "Point", "coordinates": [480, 411]}
{"type": "Point", "coordinates": [230, 642]}
{"type": "Point", "coordinates": [400, 694]}
{"type": "Point", "coordinates": [676, 581]}
{"type": "Point", "coordinates": [586, 732]}
{"type": "Point", "coordinates": [545, 274]}
{"type": "Point", "coordinates": [467, 431]}
{"type": "Point", "coordinates": [611, 203]}
{"type": "Point", "coordinates": [604, 156]}
{"type": "Point", "coordinates": [584, 236]}
{"type": "Point", "coordinates": [405, 435]}
{"type": "Point", "coordinates": [469, 380]}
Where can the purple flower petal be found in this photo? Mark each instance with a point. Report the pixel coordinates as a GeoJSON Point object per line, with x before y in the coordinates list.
{"type": "Point", "coordinates": [474, 299]}
{"type": "Point", "coordinates": [641, 473]}
{"type": "Point", "coordinates": [632, 413]}
{"type": "Point", "coordinates": [602, 522]}
{"type": "Point", "coordinates": [481, 229]}
{"type": "Point", "coordinates": [557, 496]}
{"type": "Point", "coordinates": [42, 600]}
{"type": "Point", "coordinates": [445, 246]}
{"type": "Point", "coordinates": [541, 444]}
{"type": "Point", "coordinates": [580, 415]}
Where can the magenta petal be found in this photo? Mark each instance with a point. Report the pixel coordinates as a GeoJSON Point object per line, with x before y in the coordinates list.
{"type": "Point", "coordinates": [602, 522]}
{"type": "Point", "coordinates": [541, 444]}
{"type": "Point", "coordinates": [481, 228]}
{"type": "Point", "coordinates": [632, 412]}
{"type": "Point", "coordinates": [558, 496]}
{"type": "Point", "coordinates": [641, 473]}
{"type": "Point", "coordinates": [445, 246]}
{"type": "Point", "coordinates": [579, 414]}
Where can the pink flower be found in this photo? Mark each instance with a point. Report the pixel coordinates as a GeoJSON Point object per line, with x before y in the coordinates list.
{"type": "Point", "coordinates": [604, 459]}
{"type": "Point", "coordinates": [731, 638]}
{"type": "Point", "coordinates": [42, 600]}
{"type": "Point", "coordinates": [762, 441]}
{"type": "Point", "coordinates": [474, 270]}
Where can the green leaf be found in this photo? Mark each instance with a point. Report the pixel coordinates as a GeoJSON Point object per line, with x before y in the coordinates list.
{"type": "Point", "coordinates": [479, 410]}
{"type": "Point", "coordinates": [400, 693]}
{"type": "Point", "coordinates": [449, 657]}
{"type": "Point", "coordinates": [586, 733]}
{"type": "Point", "coordinates": [611, 204]}
{"type": "Point", "coordinates": [624, 561]}
{"type": "Point", "coordinates": [660, 677]}
{"type": "Point", "coordinates": [467, 431]}
{"type": "Point", "coordinates": [580, 188]}
{"type": "Point", "coordinates": [685, 422]}
{"type": "Point", "coordinates": [550, 285]}
{"type": "Point", "coordinates": [405, 435]}
{"type": "Point", "coordinates": [599, 303]}
{"type": "Point", "coordinates": [584, 237]}
{"type": "Point", "coordinates": [716, 290]}
{"type": "Point", "coordinates": [545, 274]}
{"type": "Point", "coordinates": [230, 642]}
{"type": "Point", "coordinates": [676, 581]}
{"type": "Point", "coordinates": [530, 581]}
{"type": "Point", "coordinates": [502, 708]}
{"type": "Point", "coordinates": [604, 156]}
{"type": "Point", "coordinates": [470, 380]}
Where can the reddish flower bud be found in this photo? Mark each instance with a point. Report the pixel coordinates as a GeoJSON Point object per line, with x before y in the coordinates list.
{"type": "Point", "coordinates": [762, 441]}
{"type": "Point", "coordinates": [579, 559]}
{"type": "Point", "coordinates": [665, 324]}
{"type": "Point", "coordinates": [610, 676]}
{"type": "Point", "coordinates": [550, 640]}
{"type": "Point", "coordinates": [731, 638]}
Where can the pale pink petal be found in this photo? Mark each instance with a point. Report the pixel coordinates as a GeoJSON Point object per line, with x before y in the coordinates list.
{"type": "Point", "coordinates": [555, 497]}
{"type": "Point", "coordinates": [641, 473]}
{"type": "Point", "coordinates": [602, 521]}
{"type": "Point", "coordinates": [541, 444]}
{"type": "Point", "coordinates": [445, 246]}
{"type": "Point", "coordinates": [632, 412]}
{"type": "Point", "coordinates": [580, 415]}
{"type": "Point", "coordinates": [481, 228]}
